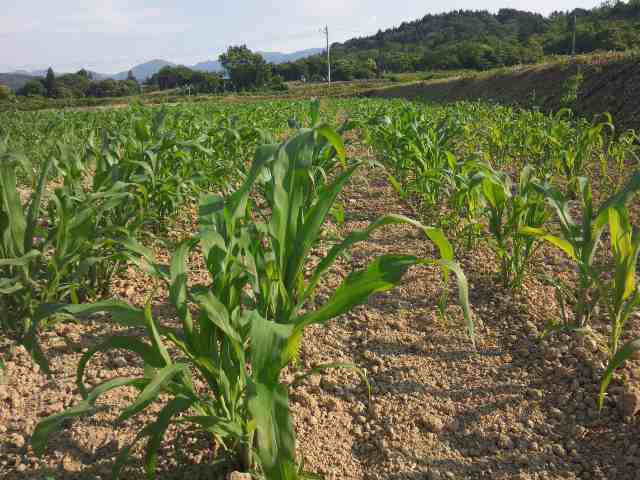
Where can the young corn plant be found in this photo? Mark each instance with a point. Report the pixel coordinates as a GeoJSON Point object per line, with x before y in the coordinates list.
{"type": "Point", "coordinates": [622, 151]}
{"type": "Point", "coordinates": [466, 199]}
{"type": "Point", "coordinates": [51, 251]}
{"type": "Point", "coordinates": [622, 291]}
{"type": "Point", "coordinates": [161, 170]}
{"type": "Point", "coordinates": [243, 328]}
{"type": "Point", "coordinates": [575, 155]}
{"type": "Point", "coordinates": [417, 148]}
{"type": "Point", "coordinates": [580, 240]}
{"type": "Point", "coordinates": [510, 209]}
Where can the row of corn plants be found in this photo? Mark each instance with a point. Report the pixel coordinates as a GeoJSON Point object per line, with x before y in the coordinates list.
{"type": "Point", "coordinates": [239, 331]}
{"type": "Point", "coordinates": [74, 190]}
{"type": "Point", "coordinates": [529, 179]}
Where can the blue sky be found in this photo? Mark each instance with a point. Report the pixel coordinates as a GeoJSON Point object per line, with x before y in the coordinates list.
{"type": "Point", "coordinates": [113, 35]}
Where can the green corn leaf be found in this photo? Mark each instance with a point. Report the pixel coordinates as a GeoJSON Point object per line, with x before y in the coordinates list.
{"type": "Point", "coordinates": [463, 293]}
{"type": "Point", "coordinates": [314, 112]}
{"type": "Point", "coordinates": [23, 261]}
{"type": "Point", "coordinates": [142, 130]}
{"type": "Point", "coordinates": [334, 138]}
{"type": "Point", "coordinates": [314, 220]}
{"type": "Point", "coordinates": [178, 286]}
{"type": "Point", "coordinates": [623, 354]}
{"type": "Point", "coordinates": [268, 341]}
{"type": "Point", "coordinates": [382, 274]}
{"type": "Point", "coordinates": [269, 406]}
{"type": "Point", "coordinates": [157, 430]}
{"type": "Point", "coordinates": [556, 241]}
{"type": "Point", "coordinates": [217, 314]}
{"type": "Point", "coordinates": [154, 335]}
{"type": "Point", "coordinates": [622, 196]}
{"type": "Point", "coordinates": [397, 186]}
{"type": "Point", "coordinates": [121, 312]}
{"type": "Point", "coordinates": [152, 390]}
{"type": "Point", "coordinates": [34, 206]}
{"type": "Point", "coordinates": [10, 202]}
{"type": "Point", "coordinates": [145, 259]}
{"type": "Point", "coordinates": [31, 344]}
{"type": "Point", "coordinates": [434, 234]}
{"type": "Point", "coordinates": [216, 425]}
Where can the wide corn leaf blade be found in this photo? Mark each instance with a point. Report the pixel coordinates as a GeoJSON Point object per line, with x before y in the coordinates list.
{"type": "Point", "coordinates": [152, 390]}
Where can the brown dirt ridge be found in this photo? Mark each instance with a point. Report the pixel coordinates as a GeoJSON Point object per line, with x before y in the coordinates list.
{"type": "Point", "coordinates": [611, 84]}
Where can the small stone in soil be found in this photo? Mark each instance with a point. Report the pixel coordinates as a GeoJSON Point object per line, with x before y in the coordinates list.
{"type": "Point", "coordinates": [17, 440]}
{"type": "Point", "coordinates": [238, 476]}
{"type": "Point", "coordinates": [432, 423]}
{"type": "Point", "coordinates": [630, 403]}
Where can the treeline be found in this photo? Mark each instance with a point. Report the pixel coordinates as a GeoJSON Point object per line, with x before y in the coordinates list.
{"type": "Point", "coordinates": [169, 78]}
{"type": "Point", "coordinates": [245, 71]}
{"type": "Point", "coordinates": [475, 40]}
{"type": "Point", "coordinates": [78, 85]}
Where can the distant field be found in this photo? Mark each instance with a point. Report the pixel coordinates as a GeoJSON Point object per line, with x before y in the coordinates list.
{"type": "Point", "coordinates": [297, 90]}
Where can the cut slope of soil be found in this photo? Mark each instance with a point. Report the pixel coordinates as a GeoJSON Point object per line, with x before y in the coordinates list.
{"type": "Point", "coordinates": [611, 84]}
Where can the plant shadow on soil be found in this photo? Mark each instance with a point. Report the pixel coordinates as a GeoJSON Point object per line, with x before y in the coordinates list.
{"type": "Point", "coordinates": [88, 465]}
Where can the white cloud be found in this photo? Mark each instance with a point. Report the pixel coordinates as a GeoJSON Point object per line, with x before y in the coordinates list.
{"type": "Point", "coordinates": [112, 17]}
{"type": "Point", "coordinates": [330, 8]}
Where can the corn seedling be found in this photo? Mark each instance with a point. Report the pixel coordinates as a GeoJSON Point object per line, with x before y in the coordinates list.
{"type": "Point", "coordinates": [580, 240]}
{"type": "Point", "coordinates": [511, 208]}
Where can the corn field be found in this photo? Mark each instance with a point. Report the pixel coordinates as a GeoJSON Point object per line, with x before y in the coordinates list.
{"type": "Point", "coordinates": [87, 195]}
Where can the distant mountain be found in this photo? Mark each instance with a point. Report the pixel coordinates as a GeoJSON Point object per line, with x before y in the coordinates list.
{"type": "Point", "coordinates": [15, 81]}
{"type": "Point", "coordinates": [270, 57]}
{"type": "Point", "coordinates": [144, 70]}
{"type": "Point", "coordinates": [208, 66]}
{"type": "Point", "coordinates": [277, 57]}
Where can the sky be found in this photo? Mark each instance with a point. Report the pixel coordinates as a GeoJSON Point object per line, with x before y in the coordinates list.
{"type": "Point", "coordinates": [109, 36]}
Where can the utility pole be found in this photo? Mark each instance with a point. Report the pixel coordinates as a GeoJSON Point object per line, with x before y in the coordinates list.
{"type": "Point", "coordinates": [325, 30]}
{"type": "Point", "coordinates": [573, 43]}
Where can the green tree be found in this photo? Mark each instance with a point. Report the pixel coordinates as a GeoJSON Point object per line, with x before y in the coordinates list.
{"type": "Point", "coordinates": [85, 73]}
{"type": "Point", "coordinates": [5, 92]}
{"type": "Point", "coordinates": [205, 82]}
{"type": "Point", "coordinates": [50, 83]}
{"type": "Point", "coordinates": [247, 70]}
{"type": "Point", "coordinates": [73, 84]}
{"type": "Point", "coordinates": [131, 77]}
{"type": "Point", "coordinates": [32, 88]}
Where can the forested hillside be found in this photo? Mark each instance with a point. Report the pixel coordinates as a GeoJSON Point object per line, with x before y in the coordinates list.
{"type": "Point", "coordinates": [477, 40]}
